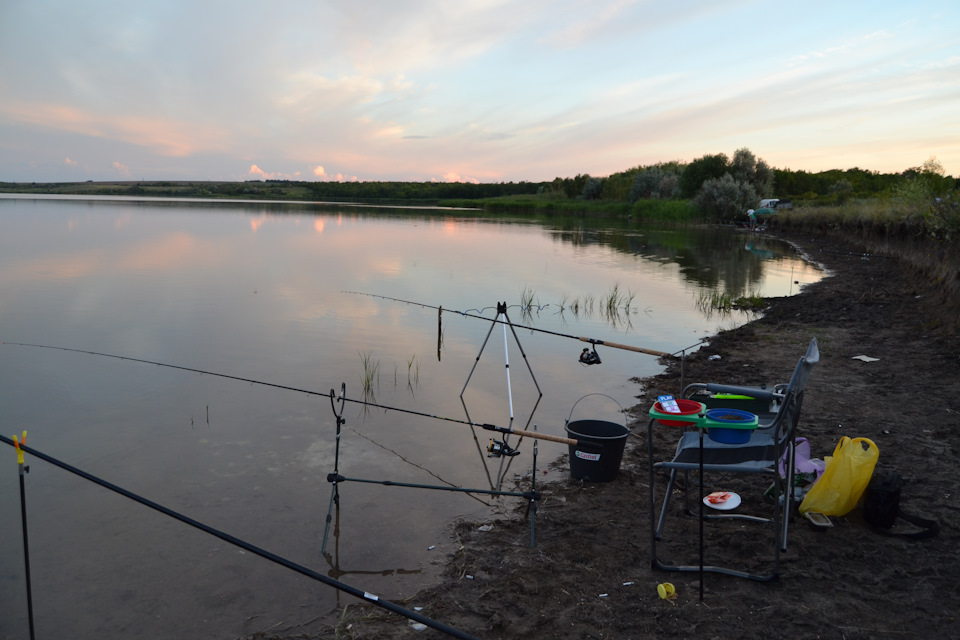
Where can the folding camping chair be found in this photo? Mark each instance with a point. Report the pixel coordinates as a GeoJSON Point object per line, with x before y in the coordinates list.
{"type": "Point", "coordinates": [760, 454]}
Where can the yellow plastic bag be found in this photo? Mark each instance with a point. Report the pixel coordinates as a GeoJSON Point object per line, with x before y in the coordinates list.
{"type": "Point", "coordinates": [845, 478]}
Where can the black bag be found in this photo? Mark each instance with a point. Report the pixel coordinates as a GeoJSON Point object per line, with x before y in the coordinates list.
{"type": "Point", "coordinates": [881, 507]}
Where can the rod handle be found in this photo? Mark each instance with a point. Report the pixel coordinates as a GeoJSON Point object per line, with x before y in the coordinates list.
{"type": "Point", "coordinates": [617, 345]}
{"type": "Point", "coordinates": [544, 436]}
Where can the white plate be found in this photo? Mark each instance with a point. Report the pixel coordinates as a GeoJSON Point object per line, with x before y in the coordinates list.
{"type": "Point", "coordinates": [731, 503]}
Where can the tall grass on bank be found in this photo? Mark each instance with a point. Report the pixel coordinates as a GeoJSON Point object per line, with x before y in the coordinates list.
{"type": "Point", "coordinates": [714, 302]}
{"type": "Point", "coordinates": [921, 235]}
{"type": "Point", "coordinates": [665, 211]}
{"type": "Point", "coordinates": [901, 214]}
{"type": "Point", "coordinates": [722, 302]}
{"type": "Point", "coordinates": [677, 211]}
{"type": "Point", "coordinates": [544, 204]}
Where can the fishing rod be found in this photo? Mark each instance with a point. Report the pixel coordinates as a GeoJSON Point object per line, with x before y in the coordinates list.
{"type": "Point", "coordinates": [242, 544]}
{"type": "Point", "coordinates": [331, 394]}
{"type": "Point", "coordinates": [592, 341]}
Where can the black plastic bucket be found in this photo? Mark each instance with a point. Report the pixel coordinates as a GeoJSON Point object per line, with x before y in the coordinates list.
{"type": "Point", "coordinates": [596, 456]}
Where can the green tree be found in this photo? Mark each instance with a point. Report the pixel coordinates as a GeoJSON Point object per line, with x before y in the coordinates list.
{"type": "Point", "coordinates": [654, 182]}
{"type": "Point", "coordinates": [933, 174]}
{"type": "Point", "coordinates": [669, 187]}
{"type": "Point", "coordinates": [573, 187]}
{"type": "Point", "coordinates": [745, 167]}
{"type": "Point", "coordinates": [841, 190]}
{"type": "Point", "coordinates": [646, 183]}
{"type": "Point", "coordinates": [726, 198]}
{"type": "Point", "coordinates": [592, 189]}
{"type": "Point", "coordinates": [701, 170]}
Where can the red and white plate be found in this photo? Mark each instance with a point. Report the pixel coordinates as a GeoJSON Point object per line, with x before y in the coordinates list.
{"type": "Point", "coordinates": [722, 500]}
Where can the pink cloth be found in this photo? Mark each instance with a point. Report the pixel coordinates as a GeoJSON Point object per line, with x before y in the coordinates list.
{"type": "Point", "coordinates": [803, 462]}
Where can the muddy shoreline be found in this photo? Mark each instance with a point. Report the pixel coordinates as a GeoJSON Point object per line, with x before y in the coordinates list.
{"type": "Point", "coordinates": [589, 575]}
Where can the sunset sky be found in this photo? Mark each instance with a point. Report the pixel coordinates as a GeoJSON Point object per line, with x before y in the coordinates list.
{"type": "Point", "coordinates": [472, 90]}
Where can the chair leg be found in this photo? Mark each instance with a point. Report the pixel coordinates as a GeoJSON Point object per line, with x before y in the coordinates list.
{"type": "Point", "coordinates": [788, 492]}
{"type": "Point", "coordinates": [657, 525]}
{"type": "Point", "coordinates": [666, 503]}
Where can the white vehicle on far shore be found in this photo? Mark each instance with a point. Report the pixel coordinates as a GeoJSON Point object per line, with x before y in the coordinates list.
{"type": "Point", "coordinates": [775, 203]}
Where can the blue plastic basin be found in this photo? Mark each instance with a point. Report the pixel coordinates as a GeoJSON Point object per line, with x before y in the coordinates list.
{"type": "Point", "coordinates": [731, 435]}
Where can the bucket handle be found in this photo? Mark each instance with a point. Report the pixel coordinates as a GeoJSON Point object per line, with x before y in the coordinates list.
{"type": "Point", "coordinates": [622, 412]}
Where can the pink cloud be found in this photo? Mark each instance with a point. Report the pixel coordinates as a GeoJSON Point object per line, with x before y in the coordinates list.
{"type": "Point", "coordinates": [452, 176]}
{"type": "Point", "coordinates": [122, 169]}
{"type": "Point", "coordinates": [265, 175]}
{"type": "Point", "coordinates": [166, 136]}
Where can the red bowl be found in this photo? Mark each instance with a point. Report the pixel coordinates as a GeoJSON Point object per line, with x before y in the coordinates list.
{"type": "Point", "coordinates": [687, 408]}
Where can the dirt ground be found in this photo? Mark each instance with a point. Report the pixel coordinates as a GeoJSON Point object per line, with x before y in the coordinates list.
{"type": "Point", "coordinates": [589, 575]}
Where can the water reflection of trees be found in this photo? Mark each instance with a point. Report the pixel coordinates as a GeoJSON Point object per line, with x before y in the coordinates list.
{"type": "Point", "coordinates": [712, 258]}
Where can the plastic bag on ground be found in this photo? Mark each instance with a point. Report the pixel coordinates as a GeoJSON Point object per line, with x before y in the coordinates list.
{"type": "Point", "coordinates": [844, 479]}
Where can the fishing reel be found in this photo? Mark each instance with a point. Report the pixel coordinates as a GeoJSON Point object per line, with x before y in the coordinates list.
{"type": "Point", "coordinates": [589, 357]}
{"type": "Point", "coordinates": [498, 448]}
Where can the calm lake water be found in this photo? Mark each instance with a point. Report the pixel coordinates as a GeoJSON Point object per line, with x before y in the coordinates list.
{"type": "Point", "coordinates": [287, 294]}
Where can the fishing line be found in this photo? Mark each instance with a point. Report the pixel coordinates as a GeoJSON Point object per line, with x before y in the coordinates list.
{"type": "Point", "coordinates": [490, 492]}
{"type": "Point", "coordinates": [163, 364]}
{"type": "Point", "coordinates": [334, 493]}
{"type": "Point", "coordinates": [237, 542]}
{"type": "Point", "coordinates": [524, 309]}
{"type": "Point", "coordinates": [335, 478]}
{"type": "Point", "coordinates": [410, 462]}
{"type": "Point", "coordinates": [330, 394]}
{"type": "Point", "coordinates": [593, 341]}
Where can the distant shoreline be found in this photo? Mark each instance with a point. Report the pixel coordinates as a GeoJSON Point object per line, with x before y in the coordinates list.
{"type": "Point", "coordinates": [208, 200]}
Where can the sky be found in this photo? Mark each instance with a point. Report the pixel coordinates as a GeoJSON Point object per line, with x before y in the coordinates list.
{"type": "Point", "coordinates": [470, 90]}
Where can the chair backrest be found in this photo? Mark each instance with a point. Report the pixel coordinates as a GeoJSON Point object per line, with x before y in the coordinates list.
{"type": "Point", "coordinates": [805, 367]}
{"type": "Point", "coordinates": [789, 415]}
{"type": "Point", "coordinates": [790, 396]}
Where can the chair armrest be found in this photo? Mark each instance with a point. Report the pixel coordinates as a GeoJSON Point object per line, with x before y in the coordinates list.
{"type": "Point", "coordinates": [690, 389]}
{"type": "Point", "coordinates": [753, 392]}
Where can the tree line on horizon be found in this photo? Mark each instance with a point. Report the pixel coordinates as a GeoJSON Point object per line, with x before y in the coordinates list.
{"type": "Point", "coordinates": [720, 186]}
{"type": "Point", "coordinates": [685, 180]}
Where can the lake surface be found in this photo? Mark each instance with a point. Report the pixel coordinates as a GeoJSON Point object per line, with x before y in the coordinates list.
{"type": "Point", "coordinates": [295, 295]}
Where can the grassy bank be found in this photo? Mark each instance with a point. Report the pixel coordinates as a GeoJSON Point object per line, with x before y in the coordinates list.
{"type": "Point", "coordinates": [675, 211]}
{"type": "Point", "coordinates": [373, 194]}
{"type": "Point", "coordinates": [930, 219]}
{"type": "Point", "coordinates": [280, 191]}
{"type": "Point", "coordinates": [913, 214]}
{"type": "Point", "coordinates": [922, 239]}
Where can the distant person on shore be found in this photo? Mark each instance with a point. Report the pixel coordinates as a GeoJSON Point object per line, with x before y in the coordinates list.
{"type": "Point", "coordinates": [753, 219]}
